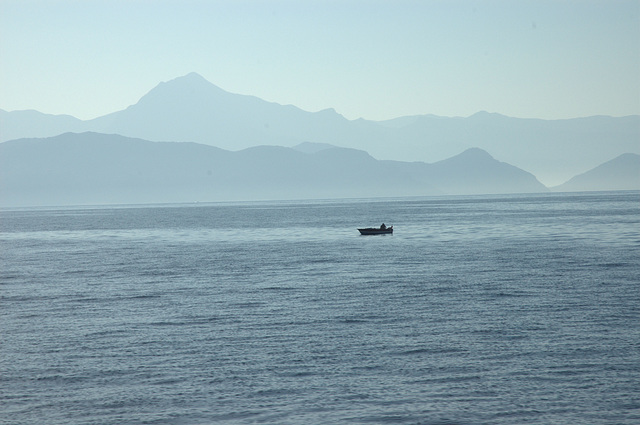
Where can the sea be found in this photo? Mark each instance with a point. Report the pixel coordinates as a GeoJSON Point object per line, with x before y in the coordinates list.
{"type": "Point", "coordinates": [502, 309]}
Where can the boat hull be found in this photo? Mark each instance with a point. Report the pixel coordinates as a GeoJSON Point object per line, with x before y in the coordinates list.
{"type": "Point", "coordinates": [376, 231]}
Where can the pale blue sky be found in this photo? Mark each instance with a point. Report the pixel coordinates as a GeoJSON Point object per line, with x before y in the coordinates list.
{"type": "Point", "coordinates": [371, 59]}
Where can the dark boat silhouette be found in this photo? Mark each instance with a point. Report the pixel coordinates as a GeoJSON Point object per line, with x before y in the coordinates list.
{"type": "Point", "coordinates": [382, 230]}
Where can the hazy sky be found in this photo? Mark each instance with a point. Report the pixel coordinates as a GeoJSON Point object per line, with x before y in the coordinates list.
{"type": "Point", "coordinates": [371, 59]}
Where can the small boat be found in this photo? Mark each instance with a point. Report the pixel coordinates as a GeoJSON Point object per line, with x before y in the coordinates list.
{"type": "Point", "coordinates": [382, 230]}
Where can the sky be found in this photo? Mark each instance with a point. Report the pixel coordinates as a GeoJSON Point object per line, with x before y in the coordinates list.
{"type": "Point", "coordinates": [371, 59]}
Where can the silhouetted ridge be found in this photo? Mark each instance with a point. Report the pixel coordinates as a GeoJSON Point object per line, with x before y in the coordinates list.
{"type": "Point", "coordinates": [191, 109]}
{"type": "Point", "coordinates": [474, 154]}
{"type": "Point", "coordinates": [475, 171]}
{"type": "Point", "coordinates": [181, 91]}
{"type": "Point", "coordinates": [94, 168]}
{"type": "Point", "coordinates": [621, 173]}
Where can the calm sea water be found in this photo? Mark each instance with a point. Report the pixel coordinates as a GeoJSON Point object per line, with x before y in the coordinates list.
{"type": "Point", "coordinates": [477, 310]}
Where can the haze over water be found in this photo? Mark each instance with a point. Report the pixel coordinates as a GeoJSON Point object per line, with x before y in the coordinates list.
{"type": "Point", "coordinates": [478, 310]}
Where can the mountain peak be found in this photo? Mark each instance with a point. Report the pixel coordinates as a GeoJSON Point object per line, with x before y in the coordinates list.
{"type": "Point", "coordinates": [191, 78]}
{"type": "Point", "coordinates": [193, 74]}
{"type": "Point", "coordinates": [470, 156]}
{"type": "Point", "coordinates": [476, 153]}
{"type": "Point", "coordinates": [192, 86]}
{"type": "Point", "coordinates": [192, 81]}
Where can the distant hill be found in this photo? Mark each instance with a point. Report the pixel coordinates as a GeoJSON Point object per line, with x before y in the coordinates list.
{"type": "Point", "coordinates": [454, 175]}
{"type": "Point", "coordinates": [94, 168]}
{"type": "Point", "coordinates": [621, 173]}
{"type": "Point", "coordinates": [21, 124]}
{"type": "Point", "coordinates": [191, 109]}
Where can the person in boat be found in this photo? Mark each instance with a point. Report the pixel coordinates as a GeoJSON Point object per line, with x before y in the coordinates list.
{"type": "Point", "coordinates": [383, 226]}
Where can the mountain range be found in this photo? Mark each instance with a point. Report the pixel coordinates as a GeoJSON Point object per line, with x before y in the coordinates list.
{"type": "Point", "coordinates": [188, 140]}
{"type": "Point", "coordinates": [191, 109]}
{"type": "Point", "coordinates": [96, 168]}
